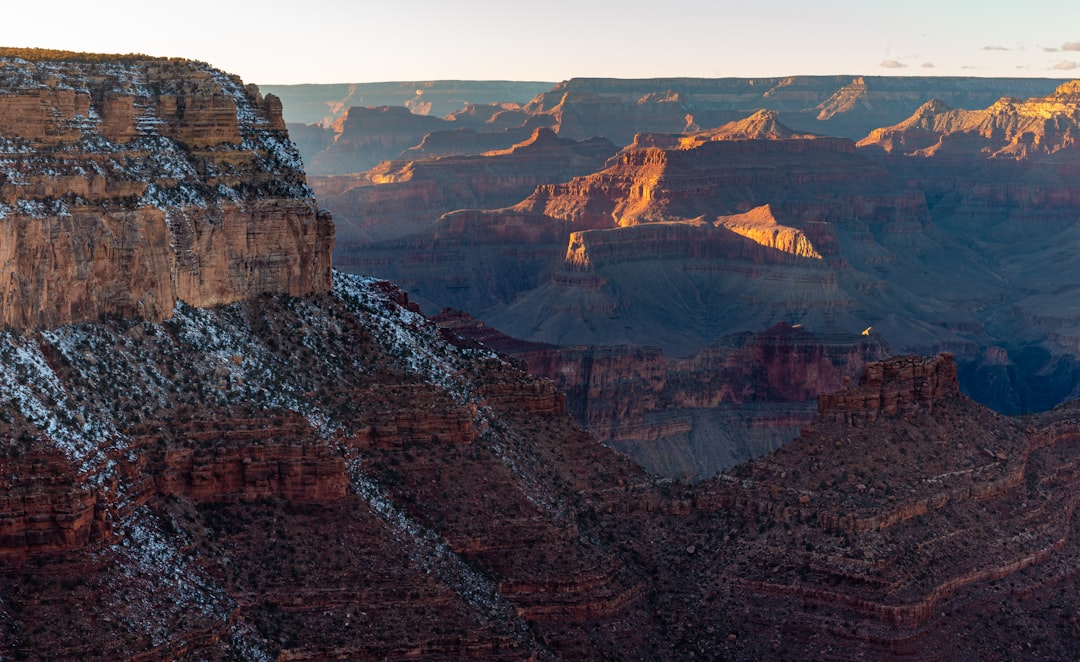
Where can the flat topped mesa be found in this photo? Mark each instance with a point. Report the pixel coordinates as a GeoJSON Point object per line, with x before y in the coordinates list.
{"type": "Point", "coordinates": [895, 386]}
{"type": "Point", "coordinates": [129, 182]}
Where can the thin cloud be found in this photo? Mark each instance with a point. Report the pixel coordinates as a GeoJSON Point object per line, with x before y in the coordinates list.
{"type": "Point", "coordinates": [1066, 65]}
{"type": "Point", "coordinates": [995, 48]}
{"type": "Point", "coordinates": [892, 64]}
{"type": "Point", "coordinates": [1071, 46]}
{"type": "Point", "coordinates": [927, 65]}
{"type": "Point", "coordinates": [1050, 49]}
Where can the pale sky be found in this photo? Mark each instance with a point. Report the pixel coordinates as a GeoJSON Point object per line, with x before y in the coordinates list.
{"type": "Point", "coordinates": [341, 41]}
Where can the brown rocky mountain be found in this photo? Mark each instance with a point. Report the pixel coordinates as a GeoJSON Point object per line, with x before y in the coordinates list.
{"type": "Point", "coordinates": [326, 474]}
{"type": "Point", "coordinates": [484, 116]}
{"type": "Point", "coordinates": [189, 494]}
{"type": "Point", "coordinates": [936, 246]}
{"type": "Point", "coordinates": [672, 234]}
{"type": "Point", "coordinates": [399, 198]}
{"type": "Point", "coordinates": [130, 184]}
{"type": "Point", "coordinates": [1001, 179]}
{"type": "Point", "coordinates": [846, 106]}
{"type": "Point", "coordinates": [1017, 129]}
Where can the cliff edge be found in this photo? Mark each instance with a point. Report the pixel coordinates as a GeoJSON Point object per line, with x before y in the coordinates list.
{"type": "Point", "coordinates": [128, 183]}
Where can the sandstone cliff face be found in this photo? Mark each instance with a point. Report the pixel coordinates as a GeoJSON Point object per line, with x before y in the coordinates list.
{"type": "Point", "coordinates": [893, 387]}
{"type": "Point", "coordinates": [398, 198]}
{"type": "Point", "coordinates": [1011, 128]}
{"type": "Point", "coordinates": [809, 179]}
{"type": "Point", "coordinates": [129, 184]}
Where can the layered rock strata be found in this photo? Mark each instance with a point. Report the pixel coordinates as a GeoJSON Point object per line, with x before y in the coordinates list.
{"type": "Point", "coordinates": [690, 418]}
{"type": "Point", "coordinates": [807, 178]}
{"type": "Point", "coordinates": [893, 388]}
{"type": "Point", "coordinates": [194, 493]}
{"type": "Point", "coordinates": [191, 494]}
{"type": "Point", "coordinates": [130, 183]}
{"type": "Point", "coordinates": [848, 106]}
{"type": "Point", "coordinates": [399, 198]}
{"type": "Point", "coordinates": [1004, 173]}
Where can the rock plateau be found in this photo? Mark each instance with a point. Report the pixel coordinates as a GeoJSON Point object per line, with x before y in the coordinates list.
{"type": "Point", "coordinates": [128, 184]}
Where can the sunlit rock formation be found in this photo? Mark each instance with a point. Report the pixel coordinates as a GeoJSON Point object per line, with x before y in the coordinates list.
{"type": "Point", "coordinates": [399, 198]}
{"type": "Point", "coordinates": [129, 183]}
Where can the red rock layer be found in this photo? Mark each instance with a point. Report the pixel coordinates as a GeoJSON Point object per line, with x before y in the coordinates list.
{"type": "Point", "coordinates": [405, 498]}
{"type": "Point", "coordinates": [893, 387]}
{"type": "Point", "coordinates": [132, 182]}
{"type": "Point", "coordinates": [398, 198]}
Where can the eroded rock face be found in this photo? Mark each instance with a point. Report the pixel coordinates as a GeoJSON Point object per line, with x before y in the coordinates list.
{"type": "Point", "coordinates": [398, 198]}
{"type": "Point", "coordinates": [189, 493]}
{"type": "Point", "coordinates": [1011, 128]}
{"type": "Point", "coordinates": [131, 183]}
{"type": "Point", "coordinates": [893, 387]}
{"type": "Point", "coordinates": [848, 106]}
{"type": "Point", "coordinates": [728, 176]}
{"type": "Point", "coordinates": [690, 418]}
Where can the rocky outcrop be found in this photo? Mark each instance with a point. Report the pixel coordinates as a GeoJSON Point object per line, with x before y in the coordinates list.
{"type": "Point", "coordinates": [723, 177]}
{"type": "Point", "coordinates": [893, 387]}
{"type": "Point", "coordinates": [1011, 129]}
{"type": "Point", "coordinates": [760, 226]}
{"type": "Point", "coordinates": [43, 509]}
{"type": "Point", "coordinates": [398, 198]}
{"type": "Point", "coordinates": [131, 183]}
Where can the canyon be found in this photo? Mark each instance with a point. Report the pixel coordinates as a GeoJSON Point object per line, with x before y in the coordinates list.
{"type": "Point", "coordinates": [272, 459]}
{"type": "Point", "coordinates": [415, 494]}
{"type": "Point", "coordinates": [794, 203]}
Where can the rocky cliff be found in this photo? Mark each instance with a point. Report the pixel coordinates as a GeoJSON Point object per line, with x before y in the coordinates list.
{"type": "Point", "coordinates": [808, 178]}
{"type": "Point", "coordinates": [1005, 174]}
{"type": "Point", "coordinates": [399, 198]}
{"type": "Point", "coordinates": [898, 386]}
{"type": "Point", "coordinates": [847, 106]}
{"type": "Point", "coordinates": [179, 490]}
{"type": "Point", "coordinates": [690, 418]}
{"type": "Point", "coordinates": [701, 234]}
{"type": "Point", "coordinates": [936, 246]}
{"type": "Point", "coordinates": [130, 183]}
{"type": "Point", "coordinates": [1011, 128]}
